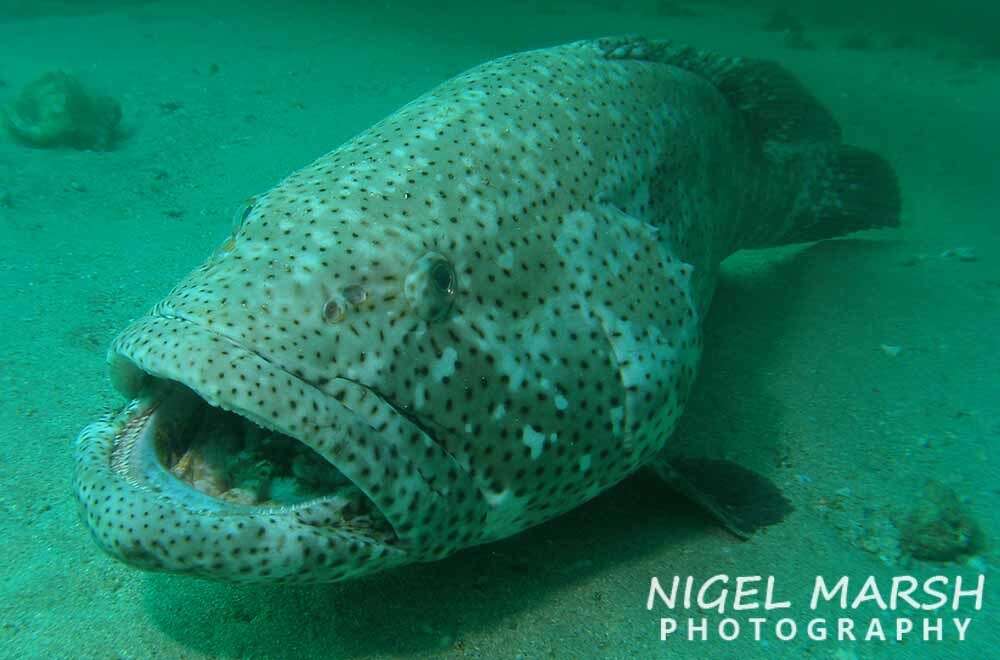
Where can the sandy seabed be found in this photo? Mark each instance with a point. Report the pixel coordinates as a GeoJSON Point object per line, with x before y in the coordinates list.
{"type": "Point", "coordinates": [848, 371]}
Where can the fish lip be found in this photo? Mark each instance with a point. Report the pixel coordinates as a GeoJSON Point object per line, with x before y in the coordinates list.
{"type": "Point", "coordinates": [428, 497]}
{"type": "Point", "coordinates": [292, 550]}
{"type": "Point", "coordinates": [132, 371]}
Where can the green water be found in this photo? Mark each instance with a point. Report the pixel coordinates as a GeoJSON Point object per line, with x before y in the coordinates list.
{"type": "Point", "coordinates": [849, 372]}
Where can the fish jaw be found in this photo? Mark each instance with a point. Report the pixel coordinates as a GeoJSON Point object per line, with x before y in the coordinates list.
{"type": "Point", "coordinates": [140, 479]}
{"type": "Point", "coordinates": [164, 525]}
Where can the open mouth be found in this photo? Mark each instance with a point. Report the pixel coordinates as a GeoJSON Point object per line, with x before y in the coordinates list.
{"type": "Point", "coordinates": [227, 466]}
{"type": "Point", "coordinates": [204, 457]}
{"type": "Point", "coordinates": [173, 483]}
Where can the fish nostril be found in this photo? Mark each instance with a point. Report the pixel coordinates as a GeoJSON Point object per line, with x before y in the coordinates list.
{"type": "Point", "coordinates": [355, 294]}
{"type": "Point", "coordinates": [333, 311]}
{"type": "Point", "coordinates": [336, 307]}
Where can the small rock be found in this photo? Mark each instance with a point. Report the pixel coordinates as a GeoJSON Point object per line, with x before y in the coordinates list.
{"type": "Point", "coordinates": [939, 528]}
{"type": "Point", "coordinates": [170, 107]}
{"type": "Point", "coordinates": [57, 110]}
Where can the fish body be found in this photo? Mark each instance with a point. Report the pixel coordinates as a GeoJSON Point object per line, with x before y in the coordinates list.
{"type": "Point", "coordinates": [470, 318]}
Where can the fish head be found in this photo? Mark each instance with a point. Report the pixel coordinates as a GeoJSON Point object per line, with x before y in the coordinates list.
{"type": "Point", "coordinates": [274, 428]}
{"type": "Point", "coordinates": [404, 349]}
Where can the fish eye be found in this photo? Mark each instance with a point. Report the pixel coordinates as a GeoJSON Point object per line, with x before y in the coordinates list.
{"type": "Point", "coordinates": [355, 294]}
{"type": "Point", "coordinates": [430, 287]}
{"type": "Point", "coordinates": [443, 277]}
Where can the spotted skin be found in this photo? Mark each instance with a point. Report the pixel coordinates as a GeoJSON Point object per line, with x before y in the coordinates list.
{"type": "Point", "coordinates": [484, 311]}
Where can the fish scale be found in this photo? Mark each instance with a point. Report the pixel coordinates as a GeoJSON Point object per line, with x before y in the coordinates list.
{"type": "Point", "coordinates": [483, 311]}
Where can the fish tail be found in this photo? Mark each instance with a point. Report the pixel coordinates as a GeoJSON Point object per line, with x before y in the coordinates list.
{"type": "Point", "coordinates": [848, 190]}
{"type": "Point", "coordinates": [807, 185]}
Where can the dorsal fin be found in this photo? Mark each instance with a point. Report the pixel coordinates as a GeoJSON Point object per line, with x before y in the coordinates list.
{"type": "Point", "coordinates": [774, 104]}
{"type": "Point", "coordinates": [811, 186]}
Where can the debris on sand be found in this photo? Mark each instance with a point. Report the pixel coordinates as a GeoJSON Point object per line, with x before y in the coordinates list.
{"type": "Point", "coordinates": [891, 350]}
{"type": "Point", "coordinates": [939, 528]}
{"type": "Point", "coordinates": [56, 110]}
{"type": "Point", "coordinates": [961, 253]}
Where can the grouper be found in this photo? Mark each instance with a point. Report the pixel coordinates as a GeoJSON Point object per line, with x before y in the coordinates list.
{"type": "Point", "coordinates": [472, 317]}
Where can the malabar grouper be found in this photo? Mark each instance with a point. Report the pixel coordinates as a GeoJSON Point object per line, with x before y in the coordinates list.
{"type": "Point", "coordinates": [472, 317]}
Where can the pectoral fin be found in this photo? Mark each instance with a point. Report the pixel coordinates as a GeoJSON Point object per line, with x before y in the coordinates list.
{"type": "Point", "coordinates": [740, 499]}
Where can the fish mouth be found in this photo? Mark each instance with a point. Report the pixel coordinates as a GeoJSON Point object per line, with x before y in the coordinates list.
{"type": "Point", "coordinates": [193, 476]}
{"type": "Point", "coordinates": [176, 444]}
{"type": "Point", "coordinates": [171, 483]}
